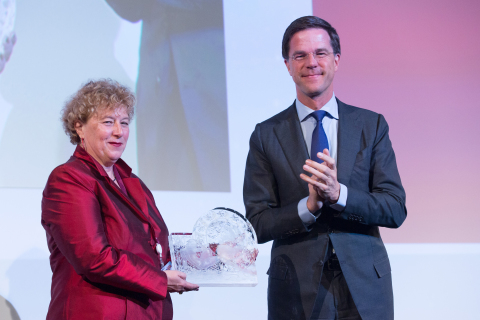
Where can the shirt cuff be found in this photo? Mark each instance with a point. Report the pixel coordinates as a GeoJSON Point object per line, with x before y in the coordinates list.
{"type": "Point", "coordinates": [342, 199]}
{"type": "Point", "coordinates": [305, 215]}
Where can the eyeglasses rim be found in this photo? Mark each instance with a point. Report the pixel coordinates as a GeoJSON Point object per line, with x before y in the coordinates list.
{"type": "Point", "coordinates": [314, 55]}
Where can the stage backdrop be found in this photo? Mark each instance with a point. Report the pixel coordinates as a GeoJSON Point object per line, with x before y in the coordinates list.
{"type": "Point", "coordinates": [219, 71]}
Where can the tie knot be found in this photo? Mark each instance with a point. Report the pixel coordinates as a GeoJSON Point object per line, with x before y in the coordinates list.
{"type": "Point", "coordinates": [319, 115]}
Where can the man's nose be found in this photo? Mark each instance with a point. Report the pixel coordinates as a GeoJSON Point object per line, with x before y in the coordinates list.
{"type": "Point", "coordinates": [311, 60]}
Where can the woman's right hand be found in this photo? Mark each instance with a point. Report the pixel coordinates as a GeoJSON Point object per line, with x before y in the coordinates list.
{"type": "Point", "coordinates": [177, 282]}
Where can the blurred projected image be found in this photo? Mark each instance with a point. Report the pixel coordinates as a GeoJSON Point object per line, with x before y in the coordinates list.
{"type": "Point", "coordinates": [59, 45]}
{"type": "Point", "coordinates": [7, 41]}
{"type": "Point", "coordinates": [182, 129]}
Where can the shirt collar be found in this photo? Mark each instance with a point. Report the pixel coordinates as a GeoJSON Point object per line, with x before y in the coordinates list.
{"type": "Point", "coordinates": [331, 107]}
{"type": "Point", "coordinates": [123, 169]}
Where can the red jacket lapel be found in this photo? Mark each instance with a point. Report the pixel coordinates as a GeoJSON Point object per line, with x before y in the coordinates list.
{"type": "Point", "coordinates": [134, 189]}
{"type": "Point", "coordinates": [137, 199]}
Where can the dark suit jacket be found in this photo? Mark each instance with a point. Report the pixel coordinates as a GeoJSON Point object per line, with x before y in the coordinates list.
{"type": "Point", "coordinates": [273, 187]}
{"type": "Point", "coordinates": [101, 244]}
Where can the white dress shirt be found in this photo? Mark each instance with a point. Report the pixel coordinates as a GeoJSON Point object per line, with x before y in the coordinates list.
{"type": "Point", "coordinates": [330, 125]}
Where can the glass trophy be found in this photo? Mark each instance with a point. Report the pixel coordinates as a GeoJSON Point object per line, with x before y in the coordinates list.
{"type": "Point", "coordinates": [220, 252]}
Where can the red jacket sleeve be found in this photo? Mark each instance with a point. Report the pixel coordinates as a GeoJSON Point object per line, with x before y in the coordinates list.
{"type": "Point", "coordinates": [71, 215]}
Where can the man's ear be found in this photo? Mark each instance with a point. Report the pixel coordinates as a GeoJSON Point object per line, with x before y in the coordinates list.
{"type": "Point", "coordinates": [287, 64]}
{"type": "Point", "coordinates": [337, 61]}
{"type": "Point", "coordinates": [79, 129]}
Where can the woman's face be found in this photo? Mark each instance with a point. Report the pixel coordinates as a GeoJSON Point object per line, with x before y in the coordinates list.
{"type": "Point", "coordinates": [105, 135]}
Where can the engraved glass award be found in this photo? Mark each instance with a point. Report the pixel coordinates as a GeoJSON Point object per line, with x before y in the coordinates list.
{"type": "Point", "coordinates": [220, 252]}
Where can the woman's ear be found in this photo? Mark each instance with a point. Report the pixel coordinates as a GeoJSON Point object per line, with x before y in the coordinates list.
{"type": "Point", "coordinates": [79, 129]}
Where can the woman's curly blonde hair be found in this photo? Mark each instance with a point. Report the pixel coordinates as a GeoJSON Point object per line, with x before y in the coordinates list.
{"type": "Point", "coordinates": [94, 97]}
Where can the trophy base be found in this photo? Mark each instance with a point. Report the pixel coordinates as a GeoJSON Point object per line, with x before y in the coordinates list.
{"type": "Point", "coordinates": [223, 279]}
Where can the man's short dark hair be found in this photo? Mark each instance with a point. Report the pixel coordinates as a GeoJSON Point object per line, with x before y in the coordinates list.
{"type": "Point", "coordinates": [309, 22]}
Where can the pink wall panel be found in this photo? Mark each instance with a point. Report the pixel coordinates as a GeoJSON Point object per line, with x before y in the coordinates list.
{"type": "Point", "coordinates": [417, 63]}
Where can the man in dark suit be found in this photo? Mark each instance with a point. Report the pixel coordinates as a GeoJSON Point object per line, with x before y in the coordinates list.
{"type": "Point", "coordinates": [328, 260]}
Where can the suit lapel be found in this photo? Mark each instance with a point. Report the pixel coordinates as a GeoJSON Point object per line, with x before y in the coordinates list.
{"type": "Point", "coordinates": [138, 202]}
{"type": "Point", "coordinates": [136, 199]}
{"type": "Point", "coordinates": [349, 133]}
{"type": "Point", "coordinates": [135, 191]}
{"type": "Point", "coordinates": [290, 137]}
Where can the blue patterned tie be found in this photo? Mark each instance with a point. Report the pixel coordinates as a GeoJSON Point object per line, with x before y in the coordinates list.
{"type": "Point", "coordinates": [319, 138]}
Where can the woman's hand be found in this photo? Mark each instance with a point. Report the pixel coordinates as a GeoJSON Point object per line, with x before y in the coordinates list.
{"type": "Point", "coordinates": [177, 282]}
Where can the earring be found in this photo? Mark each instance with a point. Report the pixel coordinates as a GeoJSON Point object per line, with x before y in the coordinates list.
{"type": "Point", "coordinates": [83, 143]}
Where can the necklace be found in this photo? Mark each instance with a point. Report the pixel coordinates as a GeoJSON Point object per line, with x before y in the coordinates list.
{"type": "Point", "coordinates": [114, 179]}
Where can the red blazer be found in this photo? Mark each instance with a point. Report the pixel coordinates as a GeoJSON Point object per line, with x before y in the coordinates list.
{"type": "Point", "coordinates": [101, 244]}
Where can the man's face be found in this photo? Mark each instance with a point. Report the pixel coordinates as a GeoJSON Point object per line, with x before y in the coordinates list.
{"type": "Point", "coordinates": [313, 75]}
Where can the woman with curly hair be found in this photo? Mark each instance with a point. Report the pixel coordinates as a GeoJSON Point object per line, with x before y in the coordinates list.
{"type": "Point", "coordinates": [107, 239]}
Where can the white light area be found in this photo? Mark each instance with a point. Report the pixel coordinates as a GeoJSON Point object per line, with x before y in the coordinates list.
{"type": "Point", "coordinates": [126, 47]}
{"type": "Point", "coordinates": [20, 226]}
{"type": "Point", "coordinates": [435, 281]}
{"type": "Point", "coordinates": [5, 109]}
{"type": "Point", "coordinates": [433, 248]}
{"type": "Point", "coordinates": [25, 274]}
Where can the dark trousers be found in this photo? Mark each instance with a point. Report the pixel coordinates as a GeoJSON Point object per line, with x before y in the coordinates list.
{"type": "Point", "coordinates": [338, 303]}
{"type": "Point", "coordinates": [334, 301]}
